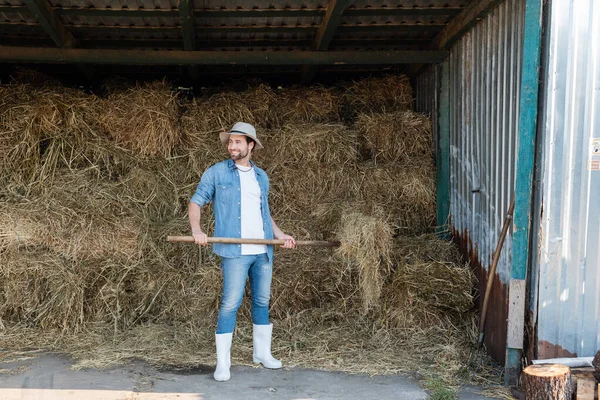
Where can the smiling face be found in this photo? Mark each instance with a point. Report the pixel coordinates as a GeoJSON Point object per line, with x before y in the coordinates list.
{"type": "Point", "coordinates": [239, 149]}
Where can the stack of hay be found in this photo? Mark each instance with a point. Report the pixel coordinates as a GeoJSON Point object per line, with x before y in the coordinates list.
{"type": "Point", "coordinates": [92, 185]}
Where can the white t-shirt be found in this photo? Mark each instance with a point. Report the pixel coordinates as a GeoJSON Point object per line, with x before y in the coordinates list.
{"type": "Point", "coordinates": [252, 222]}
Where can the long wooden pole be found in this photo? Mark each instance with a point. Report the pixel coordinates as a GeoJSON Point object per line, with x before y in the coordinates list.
{"type": "Point", "coordinates": [190, 239]}
{"type": "Point", "coordinates": [492, 272]}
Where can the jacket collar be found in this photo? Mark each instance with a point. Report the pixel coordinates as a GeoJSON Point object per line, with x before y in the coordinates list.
{"type": "Point", "coordinates": [231, 165]}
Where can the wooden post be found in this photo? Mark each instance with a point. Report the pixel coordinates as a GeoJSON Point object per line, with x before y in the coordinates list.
{"type": "Point", "coordinates": [547, 381]}
{"type": "Point", "coordinates": [586, 389]}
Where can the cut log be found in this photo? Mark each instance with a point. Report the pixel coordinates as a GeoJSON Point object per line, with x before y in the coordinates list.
{"type": "Point", "coordinates": [551, 381]}
{"type": "Point", "coordinates": [596, 365]}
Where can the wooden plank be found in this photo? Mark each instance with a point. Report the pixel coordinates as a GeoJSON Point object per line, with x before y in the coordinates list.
{"type": "Point", "coordinates": [528, 109]}
{"type": "Point", "coordinates": [41, 11]}
{"type": "Point", "coordinates": [443, 149]}
{"type": "Point", "coordinates": [401, 11]}
{"type": "Point", "coordinates": [463, 22]}
{"type": "Point", "coordinates": [180, 57]}
{"type": "Point", "coordinates": [6, 8]}
{"type": "Point", "coordinates": [122, 29]}
{"type": "Point", "coordinates": [250, 13]}
{"type": "Point", "coordinates": [330, 22]}
{"type": "Point", "coordinates": [61, 36]}
{"type": "Point", "coordinates": [186, 18]}
{"type": "Point", "coordinates": [303, 29]}
{"type": "Point", "coordinates": [391, 28]}
{"type": "Point", "coordinates": [516, 314]}
{"type": "Point", "coordinates": [585, 388]}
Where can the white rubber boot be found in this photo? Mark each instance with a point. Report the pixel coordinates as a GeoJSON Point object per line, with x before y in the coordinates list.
{"type": "Point", "coordinates": [223, 356]}
{"type": "Point", "coordinates": [262, 347]}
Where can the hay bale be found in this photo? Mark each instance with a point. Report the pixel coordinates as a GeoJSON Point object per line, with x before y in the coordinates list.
{"type": "Point", "coordinates": [307, 104]}
{"type": "Point", "coordinates": [220, 111]}
{"type": "Point", "coordinates": [394, 137]}
{"type": "Point", "coordinates": [72, 233]}
{"type": "Point", "coordinates": [430, 282]}
{"type": "Point", "coordinates": [42, 290]}
{"type": "Point", "coordinates": [308, 164]}
{"type": "Point", "coordinates": [143, 119]}
{"type": "Point", "coordinates": [45, 128]}
{"type": "Point", "coordinates": [389, 93]}
{"type": "Point", "coordinates": [308, 279]}
{"type": "Point", "coordinates": [366, 245]}
{"type": "Point", "coordinates": [406, 192]}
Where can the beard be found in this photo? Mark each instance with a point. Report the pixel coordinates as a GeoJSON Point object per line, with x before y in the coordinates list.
{"type": "Point", "coordinates": [239, 156]}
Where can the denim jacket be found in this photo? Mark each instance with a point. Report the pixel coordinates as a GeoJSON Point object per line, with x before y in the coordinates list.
{"type": "Point", "coordinates": [221, 185]}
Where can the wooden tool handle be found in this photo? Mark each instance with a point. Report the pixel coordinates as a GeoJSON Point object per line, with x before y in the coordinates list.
{"type": "Point", "coordinates": [190, 239]}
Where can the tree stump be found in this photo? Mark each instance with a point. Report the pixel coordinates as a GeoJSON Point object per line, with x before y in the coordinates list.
{"type": "Point", "coordinates": [596, 364]}
{"type": "Point", "coordinates": [547, 381]}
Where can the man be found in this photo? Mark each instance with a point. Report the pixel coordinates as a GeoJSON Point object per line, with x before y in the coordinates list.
{"type": "Point", "coordinates": [239, 192]}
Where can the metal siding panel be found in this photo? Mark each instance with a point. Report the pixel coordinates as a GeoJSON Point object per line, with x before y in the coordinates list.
{"type": "Point", "coordinates": [484, 96]}
{"type": "Point", "coordinates": [568, 308]}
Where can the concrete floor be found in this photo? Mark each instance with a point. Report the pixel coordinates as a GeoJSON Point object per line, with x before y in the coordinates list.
{"type": "Point", "coordinates": [50, 377]}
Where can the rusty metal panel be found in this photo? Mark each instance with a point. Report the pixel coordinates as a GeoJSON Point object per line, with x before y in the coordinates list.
{"type": "Point", "coordinates": [568, 240]}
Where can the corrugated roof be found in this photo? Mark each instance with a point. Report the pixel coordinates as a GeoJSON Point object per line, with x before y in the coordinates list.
{"type": "Point", "coordinates": [222, 25]}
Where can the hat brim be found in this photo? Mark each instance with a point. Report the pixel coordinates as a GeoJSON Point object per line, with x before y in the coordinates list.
{"type": "Point", "coordinates": [225, 138]}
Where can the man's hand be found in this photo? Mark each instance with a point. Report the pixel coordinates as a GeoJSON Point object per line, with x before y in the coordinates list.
{"type": "Point", "coordinates": [290, 242]}
{"type": "Point", "coordinates": [200, 238]}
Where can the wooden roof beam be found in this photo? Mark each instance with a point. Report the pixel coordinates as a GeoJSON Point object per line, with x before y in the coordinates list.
{"type": "Point", "coordinates": [42, 12]}
{"type": "Point", "coordinates": [180, 57]}
{"type": "Point", "coordinates": [62, 37]}
{"type": "Point", "coordinates": [456, 28]}
{"type": "Point", "coordinates": [330, 22]}
{"type": "Point", "coordinates": [247, 13]}
{"type": "Point", "coordinates": [459, 25]}
{"type": "Point", "coordinates": [187, 21]}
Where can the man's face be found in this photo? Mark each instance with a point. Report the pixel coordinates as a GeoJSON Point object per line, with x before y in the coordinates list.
{"type": "Point", "coordinates": [238, 147]}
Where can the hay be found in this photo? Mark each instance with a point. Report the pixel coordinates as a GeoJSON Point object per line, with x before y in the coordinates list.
{"type": "Point", "coordinates": [220, 111]}
{"type": "Point", "coordinates": [312, 104]}
{"type": "Point", "coordinates": [366, 244]}
{"type": "Point", "coordinates": [389, 93]}
{"type": "Point", "coordinates": [405, 191]}
{"type": "Point", "coordinates": [44, 128]}
{"type": "Point", "coordinates": [85, 269]}
{"type": "Point", "coordinates": [143, 119]}
{"type": "Point", "coordinates": [396, 137]}
{"type": "Point", "coordinates": [74, 234]}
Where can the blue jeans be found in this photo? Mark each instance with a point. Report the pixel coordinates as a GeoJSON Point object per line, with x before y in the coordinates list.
{"type": "Point", "coordinates": [235, 270]}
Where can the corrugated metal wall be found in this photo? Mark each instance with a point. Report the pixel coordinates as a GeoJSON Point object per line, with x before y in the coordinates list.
{"type": "Point", "coordinates": [426, 100]}
{"type": "Point", "coordinates": [569, 211]}
{"type": "Point", "coordinates": [484, 71]}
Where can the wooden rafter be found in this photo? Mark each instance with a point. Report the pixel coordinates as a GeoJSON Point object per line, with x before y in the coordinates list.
{"type": "Point", "coordinates": [62, 37]}
{"type": "Point", "coordinates": [463, 22]}
{"type": "Point", "coordinates": [249, 13]}
{"type": "Point", "coordinates": [42, 12]}
{"type": "Point", "coordinates": [467, 18]}
{"type": "Point", "coordinates": [187, 20]}
{"type": "Point", "coordinates": [180, 57]}
{"type": "Point", "coordinates": [283, 44]}
{"type": "Point", "coordinates": [302, 29]}
{"type": "Point", "coordinates": [330, 22]}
